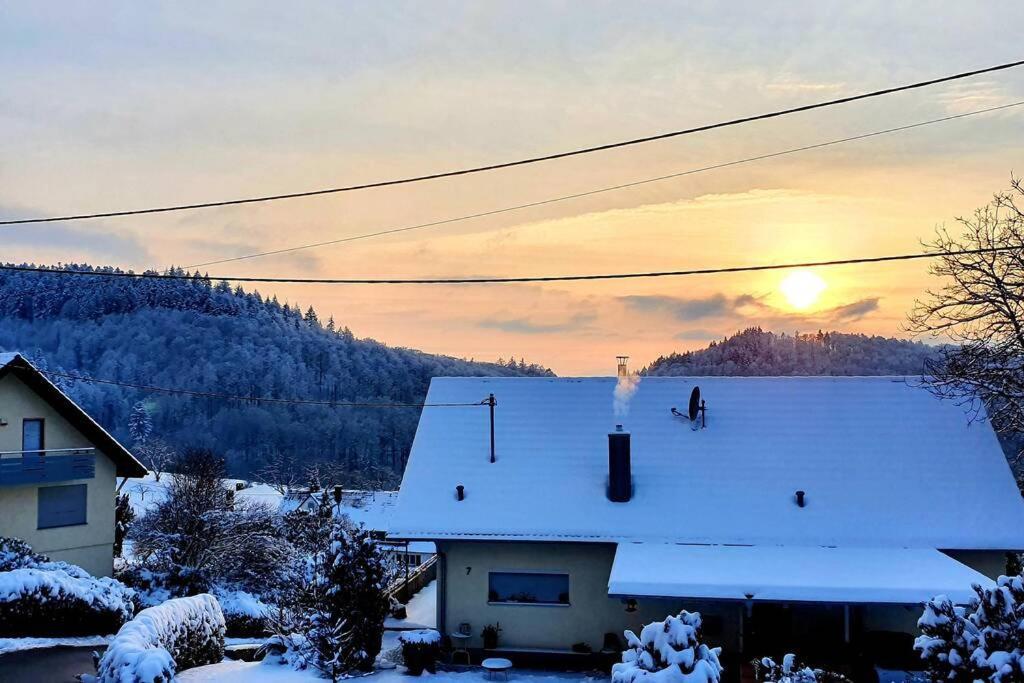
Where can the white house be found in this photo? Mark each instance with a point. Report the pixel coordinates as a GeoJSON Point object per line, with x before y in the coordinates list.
{"type": "Point", "coordinates": [57, 470]}
{"type": "Point", "coordinates": [805, 512]}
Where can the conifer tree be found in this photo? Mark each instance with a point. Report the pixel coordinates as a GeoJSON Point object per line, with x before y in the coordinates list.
{"type": "Point", "coordinates": [140, 426]}
{"type": "Point", "coordinates": [981, 641]}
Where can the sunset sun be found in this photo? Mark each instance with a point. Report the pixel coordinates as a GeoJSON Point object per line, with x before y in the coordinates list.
{"type": "Point", "coordinates": [802, 288]}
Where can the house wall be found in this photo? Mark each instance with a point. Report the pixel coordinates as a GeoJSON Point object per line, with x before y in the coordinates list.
{"type": "Point", "coordinates": [590, 614]}
{"type": "Point", "coordinates": [89, 545]}
{"type": "Point", "coordinates": [991, 563]}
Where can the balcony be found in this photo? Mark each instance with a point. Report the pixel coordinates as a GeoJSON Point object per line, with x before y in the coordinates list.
{"type": "Point", "coordinates": [46, 467]}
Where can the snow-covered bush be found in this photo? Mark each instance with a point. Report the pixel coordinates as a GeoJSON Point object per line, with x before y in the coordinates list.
{"type": "Point", "coordinates": [162, 640]}
{"type": "Point", "coordinates": [43, 598]}
{"type": "Point", "coordinates": [17, 554]}
{"type": "Point", "coordinates": [201, 535]}
{"type": "Point", "coordinates": [124, 515]}
{"type": "Point", "coordinates": [293, 650]}
{"type": "Point", "coordinates": [792, 671]}
{"type": "Point", "coordinates": [669, 651]}
{"type": "Point", "coordinates": [980, 641]}
{"type": "Point", "coordinates": [339, 607]}
{"type": "Point", "coordinates": [420, 649]}
{"type": "Point", "coordinates": [244, 613]}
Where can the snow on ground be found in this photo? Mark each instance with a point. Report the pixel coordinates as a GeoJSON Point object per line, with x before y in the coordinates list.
{"type": "Point", "coordinates": [146, 492]}
{"type": "Point", "coordinates": [256, 672]}
{"type": "Point", "coordinates": [246, 672]}
{"type": "Point", "coordinates": [18, 644]}
{"type": "Point", "coordinates": [896, 676]}
{"type": "Point", "coordinates": [421, 611]}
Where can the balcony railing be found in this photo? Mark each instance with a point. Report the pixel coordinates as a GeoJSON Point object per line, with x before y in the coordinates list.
{"type": "Point", "coordinates": [46, 466]}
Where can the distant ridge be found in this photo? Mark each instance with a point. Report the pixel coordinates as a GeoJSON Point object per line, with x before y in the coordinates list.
{"type": "Point", "coordinates": [203, 335]}
{"type": "Point", "coordinates": [756, 352]}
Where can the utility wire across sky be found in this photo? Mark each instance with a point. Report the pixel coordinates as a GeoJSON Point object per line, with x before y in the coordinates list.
{"type": "Point", "coordinates": [611, 188]}
{"type": "Point", "coordinates": [512, 280]}
{"type": "Point", "coordinates": [258, 399]}
{"type": "Point", "coordinates": [522, 162]}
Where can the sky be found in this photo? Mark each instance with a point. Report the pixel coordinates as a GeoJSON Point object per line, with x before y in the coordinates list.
{"type": "Point", "coordinates": [113, 105]}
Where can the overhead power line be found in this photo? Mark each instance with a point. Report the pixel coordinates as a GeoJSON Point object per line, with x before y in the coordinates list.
{"type": "Point", "coordinates": [525, 279]}
{"type": "Point", "coordinates": [589, 193]}
{"type": "Point", "coordinates": [528, 160]}
{"type": "Point", "coordinates": [257, 399]}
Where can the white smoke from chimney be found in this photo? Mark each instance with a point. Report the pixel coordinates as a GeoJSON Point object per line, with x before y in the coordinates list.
{"type": "Point", "coordinates": [625, 387]}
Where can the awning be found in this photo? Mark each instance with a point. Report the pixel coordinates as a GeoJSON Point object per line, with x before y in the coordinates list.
{"type": "Point", "coordinates": [789, 573]}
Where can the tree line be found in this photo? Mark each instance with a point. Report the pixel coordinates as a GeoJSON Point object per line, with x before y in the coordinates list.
{"type": "Point", "coordinates": [201, 335]}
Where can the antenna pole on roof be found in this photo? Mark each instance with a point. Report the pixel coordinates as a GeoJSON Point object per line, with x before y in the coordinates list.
{"type": "Point", "coordinates": [491, 402]}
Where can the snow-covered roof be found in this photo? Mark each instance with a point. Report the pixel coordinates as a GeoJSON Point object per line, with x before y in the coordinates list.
{"type": "Point", "coordinates": [795, 573]}
{"type": "Point", "coordinates": [371, 509]}
{"type": "Point", "coordinates": [883, 464]}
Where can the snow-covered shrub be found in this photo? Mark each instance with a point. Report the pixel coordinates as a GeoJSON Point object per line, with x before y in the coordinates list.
{"type": "Point", "coordinates": [669, 651]}
{"type": "Point", "coordinates": [162, 640]}
{"type": "Point", "coordinates": [17, 554]}
{"type": "Point", "coordinates": [200, 533]}
{"type": "Point", "coordinates": [124, 515]}
{"type": "Point", "coordinates": [340, 606]}
{"type": "Point", "coordinates": [420, 649]}
{"type": "Point", "coordinates": [59, 599]}
{"type": "Point", "coordinates": [980, 641]}
{"type": "Point", "coordinates": [152, 588]}
{"type": "Point", "coordinates": [293, 650]}
{"type": "Point", "coordinates": [792, 671]}
{"type": "Point", "coordinates": [244, 613]}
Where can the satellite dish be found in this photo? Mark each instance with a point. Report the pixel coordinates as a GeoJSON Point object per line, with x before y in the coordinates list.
{"type": "Point", "coordinates": [694, 403]}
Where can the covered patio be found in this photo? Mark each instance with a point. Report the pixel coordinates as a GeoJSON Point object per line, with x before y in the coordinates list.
{"type": "Point", "coordinates": [819, 600]}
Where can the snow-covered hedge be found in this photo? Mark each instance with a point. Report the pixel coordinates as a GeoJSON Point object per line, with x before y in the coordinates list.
{"type": "Point", "coordinates": [59, 599]}
{"type": "Point", "coordinates": [669, 651]}
{"type": "Point", "coordinates": [420, 649]}
{"type": "Point", "coordinates": [162, 640]}
{"type": "Point", "coordinates": [980, 641]}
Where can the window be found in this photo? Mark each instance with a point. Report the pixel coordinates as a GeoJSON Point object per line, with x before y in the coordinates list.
{"type": "Point", "coordinates": [528, 588]}
{"type": "Point", "coordinates": [62, 505]}
{"type": "Point", "coordinates": [32, 434]}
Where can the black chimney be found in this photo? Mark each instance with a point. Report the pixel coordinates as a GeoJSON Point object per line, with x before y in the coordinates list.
{"type": "Point", "coordinates": [620, 478]}
{"type": "Point", "coordinates": [800, 498]}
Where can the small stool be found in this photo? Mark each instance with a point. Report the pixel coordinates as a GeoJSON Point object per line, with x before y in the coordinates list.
{"type": "Point", "coordinates": [460, 646]}
{"type": "Point", "coordinates": [496, 664]}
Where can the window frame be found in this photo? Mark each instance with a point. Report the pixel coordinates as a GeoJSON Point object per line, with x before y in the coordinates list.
{"type": "Point", "coordinates": [85, 506]}
{"type": "Point", "coordinates": [543, 572]}
{"type": "Point", "coordinates": [42, 435]}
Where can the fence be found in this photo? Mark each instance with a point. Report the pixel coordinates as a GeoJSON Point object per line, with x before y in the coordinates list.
{"type": "Point", "coordinates": [406, 587]}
